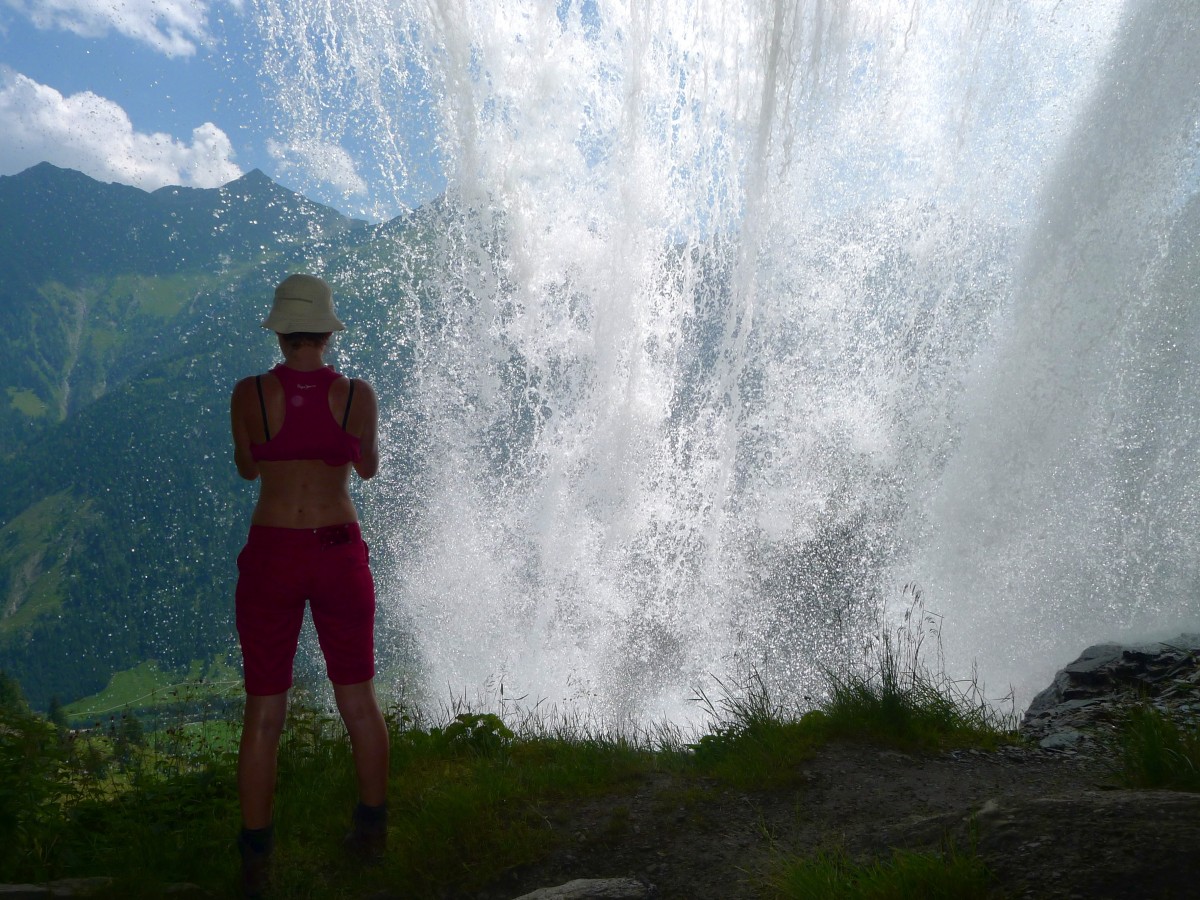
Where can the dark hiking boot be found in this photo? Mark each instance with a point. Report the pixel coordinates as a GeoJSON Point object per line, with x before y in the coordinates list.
{"type": "Point", "coordinates": [255, 849]}
{"type": "Point", "coordinates": [367, 838]}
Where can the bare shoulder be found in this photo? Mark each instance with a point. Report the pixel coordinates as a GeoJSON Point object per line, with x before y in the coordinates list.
{"type": "Point", "coordinates": [365, 408]}
{"type": "Point", "coordinates": [362, 388]}
{"type": "Point", "coordinates": [243, 389]}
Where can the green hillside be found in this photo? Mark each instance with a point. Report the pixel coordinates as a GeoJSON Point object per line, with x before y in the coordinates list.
{"type": "Point", "coordinates": [98, 276]}
{"type": "Point", "coordinates": [121, 513]}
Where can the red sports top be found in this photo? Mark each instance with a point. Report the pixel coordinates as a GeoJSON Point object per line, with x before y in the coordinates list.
{"type": "Point", "coordinates": [309, 430]}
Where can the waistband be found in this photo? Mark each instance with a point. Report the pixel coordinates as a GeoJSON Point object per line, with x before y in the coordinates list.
{"type": "Point", "coordinates": [325, 536]}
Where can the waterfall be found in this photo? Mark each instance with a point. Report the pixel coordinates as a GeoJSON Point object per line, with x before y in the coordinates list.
{"type": "Point", "coordinates": [1069, 513]}
{"type": "Point", "coordinates": [750, 313]}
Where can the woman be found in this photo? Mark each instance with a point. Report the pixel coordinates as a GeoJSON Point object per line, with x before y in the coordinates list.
{"type": "Point", "coordinates": [300, 429]}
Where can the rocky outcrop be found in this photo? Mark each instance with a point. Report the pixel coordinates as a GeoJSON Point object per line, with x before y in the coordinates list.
{"type": "Point", "coordinates": [1088, 697]}
{"type": "Point", "coordinates": [593, 889]}
{"type": "Point", "coordinates": [1101, 843]}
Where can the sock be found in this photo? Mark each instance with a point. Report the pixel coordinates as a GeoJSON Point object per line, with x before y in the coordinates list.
{"type": "Point", "coordinates": [258, 840]}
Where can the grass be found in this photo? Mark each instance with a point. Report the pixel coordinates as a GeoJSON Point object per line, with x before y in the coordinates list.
{"type": "Point", "coordinates": [126, 688]}
{"type": "Point", "coordinates": [755, 743]}
{"type": "Point", "coordinates": [832, 875]}
{"type": "Point", "coordinates": [472, 795]}
{"type": "Point", "coordinates": [1158, 752]}
{"type": "Point", "coordinates": [27, 402]}
{"type": "Point", "coordinates": [158, 297]}
{"type": "Point", "coordinates": [903, 701]}
{"type": "Point", "coordinates": [33, 548]}
{"type": "Point", "coordinates": [148, 810]}
{"type": "Point", "coordinates": [147, 687]}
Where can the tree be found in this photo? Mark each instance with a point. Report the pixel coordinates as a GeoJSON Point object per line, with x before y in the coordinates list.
{"type": "Point", "coordinates": [56, 713]}
{"type": "Point", "coordinates": [11, 698]}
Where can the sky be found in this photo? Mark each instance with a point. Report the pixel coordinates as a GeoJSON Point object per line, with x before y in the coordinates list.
{"type": "Point", "coordinates": [151, 93]}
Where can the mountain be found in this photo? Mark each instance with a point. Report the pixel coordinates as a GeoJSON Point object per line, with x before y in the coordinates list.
{"type": "Point", "coordinates": [126, 317]}
{"type": "Point", "coordinates": [96, 276]}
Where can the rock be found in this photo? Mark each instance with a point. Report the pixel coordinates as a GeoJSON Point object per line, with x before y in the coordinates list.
{"type": "Point", "coordinates": [78, 887]}
{"type": "Point", "coordinates": [592, 889]}
{"type": "Point", "coordinates": [1089, 696]}
{"type": "Point", "coordinates": [1063, 740]}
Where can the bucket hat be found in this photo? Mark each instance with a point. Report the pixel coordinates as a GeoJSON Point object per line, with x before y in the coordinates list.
{"type": "Point", "coordinates": [303, 303]}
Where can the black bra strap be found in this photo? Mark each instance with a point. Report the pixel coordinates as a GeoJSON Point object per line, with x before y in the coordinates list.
{"type": "Point", "coordinates": [262, 404]}
{"type": "Point", "coordinates": [349, 400]}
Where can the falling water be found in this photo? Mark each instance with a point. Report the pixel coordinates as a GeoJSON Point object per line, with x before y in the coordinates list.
{"type": "Point", "coordinates": [750, 313]}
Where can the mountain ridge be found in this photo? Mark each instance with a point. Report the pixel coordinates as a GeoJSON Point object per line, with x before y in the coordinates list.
{"type": "Point", "coordinates": [80, 255]}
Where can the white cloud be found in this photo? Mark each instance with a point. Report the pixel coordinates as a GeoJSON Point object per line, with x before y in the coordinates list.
{"type": "Point", "coordinates": [94, 135]}
{"type": "Point", "coordinates": [172, 27]}
{"type": "Point", "coordinates": [325, 163]}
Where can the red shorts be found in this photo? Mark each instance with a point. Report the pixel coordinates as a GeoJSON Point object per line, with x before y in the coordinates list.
{"type": "Point", "coordinates": [280, 569]}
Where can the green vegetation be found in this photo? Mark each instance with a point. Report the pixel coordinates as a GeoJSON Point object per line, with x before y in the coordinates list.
{"type": "Point", "coordinates": [832, 875]}
{"type": "Point", "coordinates": [1157, 752]}
{"type": "Point", "coordinates": [148, 686]}
{"type": "Point", "coordinates": [902, 701]}
{"type": "Point", "coordinates": [27, 402]}
{"type": "Point", "coordinates": [148, 810]}
{"type": "Point", "coordinates": [472, 797]}
{"type": "Point", "coordinates": [131, 687]}
{"type": "Point", "coordinates": [34, 548]}
{"type": "Point", "coordinates": [755, 744]}
{"type": "Point", "coordinates": [159, 296]}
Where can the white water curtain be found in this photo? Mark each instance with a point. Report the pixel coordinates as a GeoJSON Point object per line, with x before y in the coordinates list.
{"type": "Point", "coordinates": [747, 308]}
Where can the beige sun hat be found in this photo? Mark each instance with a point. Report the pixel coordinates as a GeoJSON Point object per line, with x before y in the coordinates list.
{"type": "Point", "coordinates": [303, 303]}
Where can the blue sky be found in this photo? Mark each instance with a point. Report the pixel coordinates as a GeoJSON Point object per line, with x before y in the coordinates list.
{"type": "Point", "coordinates": [149, 93]}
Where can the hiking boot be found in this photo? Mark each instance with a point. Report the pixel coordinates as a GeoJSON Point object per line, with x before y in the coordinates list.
{"type": "Point", "coordinates": [255, 849]}
{"type": "Point", "coordinates": [367, 839]}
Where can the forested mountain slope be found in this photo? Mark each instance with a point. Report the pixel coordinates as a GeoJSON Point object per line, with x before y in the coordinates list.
{"type": "Point", "coordinates": [126, 317]}
{"type": "Point", "coordinates": [98, 277]}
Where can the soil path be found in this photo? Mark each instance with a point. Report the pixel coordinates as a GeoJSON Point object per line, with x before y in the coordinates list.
{"type": "Point", "coordinates": [1049, 825]}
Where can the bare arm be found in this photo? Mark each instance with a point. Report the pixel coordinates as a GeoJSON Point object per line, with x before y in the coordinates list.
{"type": "Point", "coordinates": [242, 400]}
{"type": "Point", "coordinates": [364, 424]}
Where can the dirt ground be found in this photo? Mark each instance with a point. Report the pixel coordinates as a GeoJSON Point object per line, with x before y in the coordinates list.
{"type": "Point", "coordinates": [1049, 825]}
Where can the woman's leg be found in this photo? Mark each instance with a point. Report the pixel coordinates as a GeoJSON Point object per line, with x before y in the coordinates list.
{"type": "Point", "coordinates": [368, 738]}
{"type": "Point", "coordinates": [261, 727]}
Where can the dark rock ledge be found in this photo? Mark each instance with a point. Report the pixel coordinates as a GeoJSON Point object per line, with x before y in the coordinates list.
{"type": "Point", "coordinates": [1085, 703]}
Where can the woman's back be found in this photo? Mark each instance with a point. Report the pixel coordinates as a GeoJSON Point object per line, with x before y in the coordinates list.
{"type": "Point", "coordinates": [305, 492]}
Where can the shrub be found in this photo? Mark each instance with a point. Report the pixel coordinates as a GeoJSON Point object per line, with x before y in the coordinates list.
{"type": "Point", "coordinates": [32, 787]}
{"type": "Point", "coordinates": [482, 733]}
